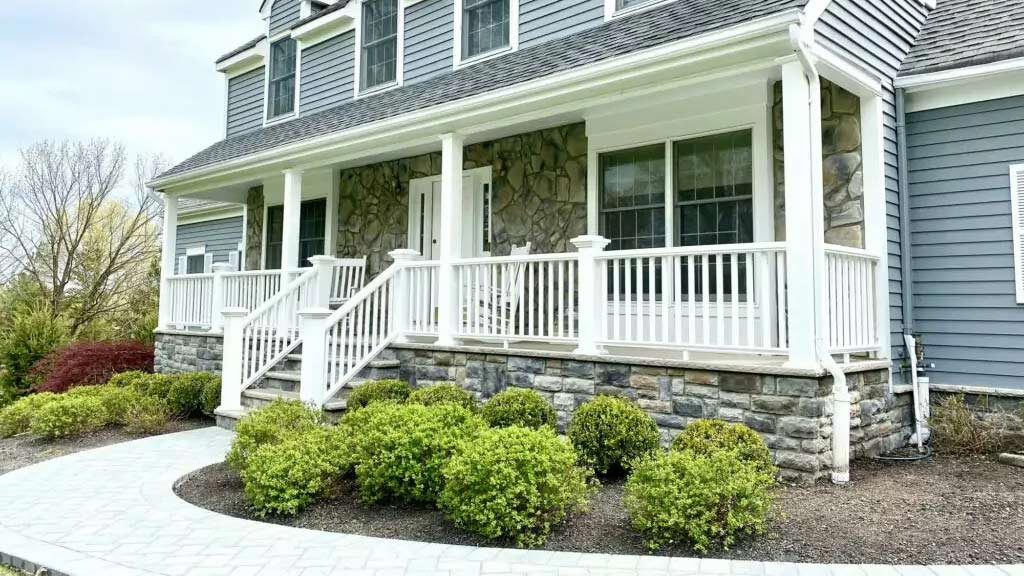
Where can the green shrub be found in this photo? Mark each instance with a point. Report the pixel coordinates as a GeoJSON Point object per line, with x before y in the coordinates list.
{"type": "Point", "coordinates": [378, 391]}
{"type": "Point", "coordinates": [286, 477]}
{"type": "Point", "coordinates": [146, 415]}
{"type": "Point", "coordinates": [118, 402]}
{"type": "Point", "coordinates": [399, 450]}
{"type": "Point", "coordinates": [443, 393]}
{"type": "Point", "coordinates": [185, 394]}
{"type": "Point", "coordinates": [269, 425]}
{"type": "Point", "coordinates": [31, 334]}
{"type": "Point", "coordinates": [16, 418]}
{"type": "Point", "coordinates": [131, 379]}
{"type": "Point", "coordinates": [703, 500]}
{"type": "Point", "coordinates": [85, 392]}
{"type": "Point", "coordinates": [519, 407]}
{"type": "Point", "coordinates": [702, 437]}
{"type": "Point", "coordinates": [69, 416]}
{"type": "Point", "coordinates": [211, 395]}
{"type": "Point", "coordinates": [514, 483]}
{"type": "Point", "coordinates": [611, 433]}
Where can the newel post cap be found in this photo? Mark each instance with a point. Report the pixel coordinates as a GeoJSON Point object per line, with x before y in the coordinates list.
{"type": "Point", "coordinates": [590, 241]}
{"type": "Point", "coordinates": [404, 254]}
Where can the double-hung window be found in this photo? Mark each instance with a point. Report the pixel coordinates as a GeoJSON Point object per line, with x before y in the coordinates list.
{"type": "Point", "coordinates": [312, 228]}
{"type": "Point", "coordinates": [379, 57]}
{"type": "Point", "coordinates": [282, 78]}
{"type": "Point", "coordinates": [486, 26]}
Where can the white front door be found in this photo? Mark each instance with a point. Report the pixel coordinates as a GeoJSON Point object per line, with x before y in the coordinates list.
{"type": "Point", "coordinates": [425, 214]}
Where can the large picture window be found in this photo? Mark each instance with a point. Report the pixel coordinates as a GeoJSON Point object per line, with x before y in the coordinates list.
{"type": "Point", "coordinates": [486, 26]}
{"type": "Point", "coordinates": [633, 197]}
{"type": "Point", "coordinates": [379, 60]}
{"type": "Point", "coordinates": [282, 78]}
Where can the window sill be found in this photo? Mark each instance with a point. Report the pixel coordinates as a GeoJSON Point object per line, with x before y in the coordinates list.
{"type": "Point", "coordinates": [464, 62]}
{"type": "Point", "coordinates": [280, 119]}
{"type": "Point", "coordinates": [363, 92]}
{"type": "Point", "coordinates": [613, 13]}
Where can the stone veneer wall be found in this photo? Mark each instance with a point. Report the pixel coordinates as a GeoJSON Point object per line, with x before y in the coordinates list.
{"type": "Point", "coordinates": [185, 352]}
{"type": "Point", "coordinates": [841, 166]}
{"type": "Point", "coordinates": [254, 228]}
{"type": "Point", "coordinates": [539, 195]}
{"type": "Point", "coordinates": [792, 414]}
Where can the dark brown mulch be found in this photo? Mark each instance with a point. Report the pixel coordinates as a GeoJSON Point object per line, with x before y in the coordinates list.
{"type": "Point", "coordinates": [955, 511]}
{"type": "Point", "coordinates": [26, 449]}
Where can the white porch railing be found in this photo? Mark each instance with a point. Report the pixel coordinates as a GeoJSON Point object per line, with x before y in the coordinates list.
{"type": "Point", "coordinates": [851, 285]}
{"type": "Point", "coordinates": [420, 297]}
{"type": "Point", "coordinates": [191, 300]}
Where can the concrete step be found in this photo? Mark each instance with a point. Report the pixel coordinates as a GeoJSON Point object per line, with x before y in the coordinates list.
{"type": "Point", "coordinates": [285, 380]}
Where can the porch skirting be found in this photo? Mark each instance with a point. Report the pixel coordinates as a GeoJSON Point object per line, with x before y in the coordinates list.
{"type": "Point", "coordinates": [792, 411]}
{"type": "Point", "coordinates": [179, 351]}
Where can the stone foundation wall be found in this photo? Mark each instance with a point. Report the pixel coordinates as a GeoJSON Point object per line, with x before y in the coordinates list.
{"type": "Point", "coordinates": [184, 352]}
{"type": "Point", "coordinates": [792, 414]}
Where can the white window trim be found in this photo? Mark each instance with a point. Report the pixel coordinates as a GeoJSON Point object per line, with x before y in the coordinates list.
{"type": "Point", "coordinates": [267, 121]}
{"type": "Point", "coordinates": [196, 251]}
{"type": "Point", "coordinates": [513, 37]}
{"type": "Point", "coordinates": [358, 90]}
{"type": "Point", "coordinates": [1016, 190]}
{"type": "Point", "coordinates": [611, 11]}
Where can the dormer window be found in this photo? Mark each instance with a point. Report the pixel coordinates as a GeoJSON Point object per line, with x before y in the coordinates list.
{"type": "Point", "coordinates": [485, 26]}
{"type": "Point", "coordinates": [281, 97]}
{"type": "Point", "coordinates": [379, 57]}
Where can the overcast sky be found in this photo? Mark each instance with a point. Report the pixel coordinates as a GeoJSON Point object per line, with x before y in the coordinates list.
{"type": "Point", "coordinates": [135, 71]}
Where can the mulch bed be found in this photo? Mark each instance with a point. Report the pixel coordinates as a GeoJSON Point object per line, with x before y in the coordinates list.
{"type": "Point", "coordinates": [941, 511]}
{"type": "Point", "coordinates": [26, 449]}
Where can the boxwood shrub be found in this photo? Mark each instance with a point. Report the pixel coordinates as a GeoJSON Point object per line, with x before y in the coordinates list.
{"type": "Point", "coordinates": [707, 436]}
{"type": "Point", "coordinates": [399, 450]}
{"type": "Point", "coordinates": [16, 418]}
{"type": "Point", "coordinates": [378, 391]}
{"type": "Point", "coordinates": [610, 433]}
{"type": "Point", "coordinates": [513, 483]}
{"type": "Point", "coordinates": [702, 500]}
{"type": "Point", "coordinates": [450, 393]}
{"type": "Point", "coordinates": [286, 477]}
{"type": "Point", "coordinates": [519, 407]}
{"type": "Point", "coordinates": [269, 425]}
{"type": "Point", "coordinates": [146, 415]}
{"type": "Point", "coordinates": [69, 416]}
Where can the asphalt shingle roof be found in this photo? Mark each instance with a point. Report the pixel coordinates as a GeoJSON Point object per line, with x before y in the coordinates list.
{"type": "Point", "coordinates": [674, 21]}
{"type": "Point", "coordinates": [962, 33]}
{"type": "Point", "coordinates": [242, 48]}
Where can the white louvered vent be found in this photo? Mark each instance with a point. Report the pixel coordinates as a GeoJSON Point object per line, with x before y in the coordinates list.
{"type": "Point", "coordinates": [1017, 215]}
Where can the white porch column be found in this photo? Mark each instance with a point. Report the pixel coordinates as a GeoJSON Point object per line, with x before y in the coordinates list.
{"type": "Point", "coordinates": [218, 299]}
{"type": "Point", "coordinates": [313, 380]}
{"type": "Point", "coordinates": [167, 257]}
{"type": "Point", "coordinates": [290, 231]}
{"type": "Point", "coordinates": [231, 370]}
{"type": "Point", "coordinates": [403, 288]}
{"type": "Point", "coordinates": [800, 213]}
{"type": "Point", "coordinates": [591, 293]}
{"type": "Point", "coordinates": [451, 237]}
{"type": "Point", "coordinates": [876, 233]}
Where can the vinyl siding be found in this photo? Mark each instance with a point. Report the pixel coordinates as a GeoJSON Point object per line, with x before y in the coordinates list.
{"type": "Point", "coordinates": [219, 237]}
{"type": "Point", "coordinates": [541, 20]}
{"type": "Point", "coordinates": [877, 34]}
{"type": "Point", "coordinates": [327, 73]}
{"type": "Point", "coordinates": [429, 39]}
{"type": "Point", "coordinates": [245, 102]}
{"type": "Point", "coordinates": [964, 296]}
{"type": "Point", "coordinates": [283, 14]}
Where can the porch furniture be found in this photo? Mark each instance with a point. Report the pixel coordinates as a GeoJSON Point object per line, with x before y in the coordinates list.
{"type": "Point", "coordinates": [494, 294]}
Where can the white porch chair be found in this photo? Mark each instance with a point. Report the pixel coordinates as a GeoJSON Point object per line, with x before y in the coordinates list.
{"type": "Point", "coordinates": [497, 304]}
{"type": "Point", "coordinates": [349, 275]}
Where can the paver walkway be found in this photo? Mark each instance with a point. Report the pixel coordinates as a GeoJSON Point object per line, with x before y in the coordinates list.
{"type": "Point", "coordinates": [112, 511]}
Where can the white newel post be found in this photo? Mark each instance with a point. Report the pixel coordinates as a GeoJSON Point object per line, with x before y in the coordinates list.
{"type": "Point", "coordinates": [591, 293]}
{"type": "Point", "coordinates": [451, 238]}
{"type": "Point", "coordinates": [167, 257]}
{"type": "Point", "coordinates": [218, 299]}
{"type": "Point", "coordinates": [324, 266]}
{"type": "Point", "coordinates": [796, 94]}
{"type": "Point", "coordinates": [231, 370]}
{"type": "Point", "coordinates": [400, 297]}
{"type": "Point", "coordinates": [313, 385]}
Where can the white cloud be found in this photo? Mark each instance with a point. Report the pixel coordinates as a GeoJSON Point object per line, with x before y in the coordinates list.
{"type": "Point", "coordinates": [135, 71]}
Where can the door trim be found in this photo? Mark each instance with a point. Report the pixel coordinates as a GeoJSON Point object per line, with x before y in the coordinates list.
{"type": "Point", "coordinates": [472, 210]}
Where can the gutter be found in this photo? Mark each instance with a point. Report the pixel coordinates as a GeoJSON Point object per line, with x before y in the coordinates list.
{"type": "Point", "coordinates": [801, 38]}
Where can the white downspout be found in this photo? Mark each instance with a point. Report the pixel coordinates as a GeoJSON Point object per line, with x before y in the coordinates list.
{"type": "Point", "coordinates": [801, 36]}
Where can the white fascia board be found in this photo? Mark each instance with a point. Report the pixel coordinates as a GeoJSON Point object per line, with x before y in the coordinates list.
{"type": "Point", "coordinates": [847, 74]}
{"type": "Point", "coordinates": [326, 27]}
{"type": "Point", "coordinates": [963, 85]}
{"type": "Point", "coordinates": [244, 61]}
{"type": "Point", "coordinates": [208, 214]}
{"type": "Point", "coordinates": [614, 71]}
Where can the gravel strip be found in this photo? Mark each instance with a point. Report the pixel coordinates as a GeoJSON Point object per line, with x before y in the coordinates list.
{"type": "Point", "coordinates": [943, 511]}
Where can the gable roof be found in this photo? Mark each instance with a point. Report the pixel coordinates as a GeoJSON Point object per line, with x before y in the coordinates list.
{"type": "Point", "coordinates": [674, 21]}
{"type": "Point", "coordinates": [250, 44]}
{"type": "Point", "coordinates": [962, 33]}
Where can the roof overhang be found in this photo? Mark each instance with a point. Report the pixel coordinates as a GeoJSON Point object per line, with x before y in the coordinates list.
{"type": "Point", "coordinates": [751, 45]}
{"type": "Point", "coordinates": [328, 26]}
{"type": "Point", "coordinates": [963, 85]}
{"type": "Point", "coordinates": [245, 60]}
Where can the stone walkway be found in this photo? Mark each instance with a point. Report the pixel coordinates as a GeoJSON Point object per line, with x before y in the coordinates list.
{"type": "Point", "coordinates": [112, 512]}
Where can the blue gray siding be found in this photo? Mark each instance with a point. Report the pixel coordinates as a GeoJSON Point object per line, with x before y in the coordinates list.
{"type": "Point", "coordinates": [541, 20]}
{"type": "Point", "coordinates": [283, 14]}
{"type": "Point", "coordinates": [877, 34]}
{"type": "Point", "coordinates": [429, 39]}
{"type": "Point", "coordinates": [964, 295]}
{"type": "Point", "coordinates": [327, 73]}
{"type": "Point", "coordinates": [245, 102]}
{"type": "Point", "coordinates": [219, 237]}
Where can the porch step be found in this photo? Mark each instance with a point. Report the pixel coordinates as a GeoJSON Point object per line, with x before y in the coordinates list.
{"type": "Point", "coordinates": [256, 398]}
